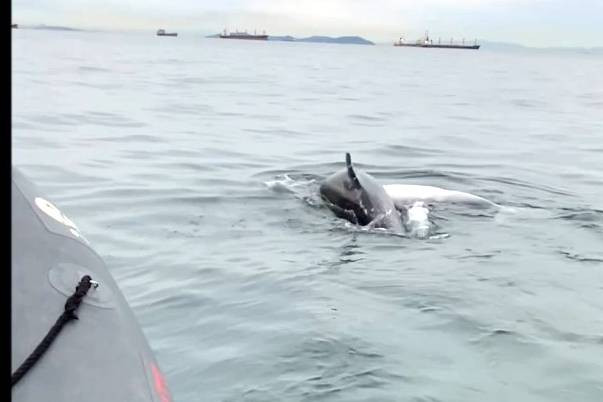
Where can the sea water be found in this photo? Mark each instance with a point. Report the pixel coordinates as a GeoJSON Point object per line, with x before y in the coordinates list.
{"type": "Point", "coordinates": [192, 165]}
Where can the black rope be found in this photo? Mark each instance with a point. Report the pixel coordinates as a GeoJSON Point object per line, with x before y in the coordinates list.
{"type": "Point", "coordinates": [71, 305]}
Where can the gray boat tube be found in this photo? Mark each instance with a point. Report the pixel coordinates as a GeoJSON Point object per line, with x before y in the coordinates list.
{"type": "Point", "coordinates": [102, 356]}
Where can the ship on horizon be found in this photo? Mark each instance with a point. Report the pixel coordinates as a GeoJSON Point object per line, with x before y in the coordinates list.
{"type": "Point", "coordinates": [161, 32]}
{"type": "Point", "coordinates": [428, 42]}
{"type": "Point", "coordinates": [243, 35]}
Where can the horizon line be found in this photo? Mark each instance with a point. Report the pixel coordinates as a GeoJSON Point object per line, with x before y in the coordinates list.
{"type": "Point", "coordinates": [203, 32]}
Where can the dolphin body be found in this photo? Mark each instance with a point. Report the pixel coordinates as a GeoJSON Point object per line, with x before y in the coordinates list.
{"type": "Point", "coordinates": [405, 194]}
{"type": "Point", "coordinates": [356, 196]}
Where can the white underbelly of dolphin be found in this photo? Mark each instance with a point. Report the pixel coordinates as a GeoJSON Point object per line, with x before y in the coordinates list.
{"type": "Point", "coordinates": [405, 194]}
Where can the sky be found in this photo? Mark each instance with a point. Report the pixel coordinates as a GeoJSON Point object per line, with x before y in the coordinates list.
{"type": "Point", "coordinates": [540, 23]}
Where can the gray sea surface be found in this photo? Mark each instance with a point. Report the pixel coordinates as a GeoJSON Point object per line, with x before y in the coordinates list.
{"type": "Point", "coordinates": [192, 165]}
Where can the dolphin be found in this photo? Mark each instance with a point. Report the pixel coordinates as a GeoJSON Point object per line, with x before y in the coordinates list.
{"type": "Point", "coordinates": [405, 194]}
{"type": "Point", "coordinates": [356, 196]}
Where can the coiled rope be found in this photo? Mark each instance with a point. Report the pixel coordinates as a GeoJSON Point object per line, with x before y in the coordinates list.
{"type": "Point", "coordinates": [71, 305]}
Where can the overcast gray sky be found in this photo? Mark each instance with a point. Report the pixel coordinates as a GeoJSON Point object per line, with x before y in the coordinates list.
{"type": "Point", "coordinates": [529, 22]}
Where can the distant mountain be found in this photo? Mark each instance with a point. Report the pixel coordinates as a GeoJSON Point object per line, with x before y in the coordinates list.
{"type": "Point", "coordinates": [501, 45]}
{"type": "Point", "coordinates": [287, 38]}
{"type": "Point", "coordinates": [585, 50]}
{"type": "Point", "coordinates": [521, 48]}
{"type": "Point", "coordinates": [51, 27]}
{"type": "Point", "coordinates": [346, 40]}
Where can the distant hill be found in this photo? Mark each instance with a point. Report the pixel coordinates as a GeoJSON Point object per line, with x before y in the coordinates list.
{"type": "Point", "coordinates": [50, 27]}
{"type": "Point", "coordinates": [585, 50]}
{"type": "Point", "coordinates": [521, 48]}
{"type": "Point", "coordinates": [286, 38]}
{"type": "Point", "coordinates": [501, 45]}
{"type": "Point", "coordinates": [344, 40]}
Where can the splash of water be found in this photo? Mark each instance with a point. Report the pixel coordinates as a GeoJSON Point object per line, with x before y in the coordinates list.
{"type": "Point", "coordinates": [418, 224]}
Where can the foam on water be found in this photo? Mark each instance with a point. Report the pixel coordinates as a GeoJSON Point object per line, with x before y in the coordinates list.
{"type": "Point", "coordinates": [418, 220]}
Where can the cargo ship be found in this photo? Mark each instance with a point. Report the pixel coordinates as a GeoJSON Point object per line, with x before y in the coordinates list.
{"type": "Point", "coordinates": [428, 42]}
{"type": "Point", "coordinates": [161, 32]}
{"type": "Point", "coordinates": [243, 35]}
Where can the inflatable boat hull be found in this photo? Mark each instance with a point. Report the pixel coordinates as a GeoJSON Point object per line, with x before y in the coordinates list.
{"type": "Point", "coordinates": [102, 356]}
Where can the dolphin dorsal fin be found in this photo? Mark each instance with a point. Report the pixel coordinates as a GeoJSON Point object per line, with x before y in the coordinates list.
{"type": "Point", "coordinates": [351, 173]}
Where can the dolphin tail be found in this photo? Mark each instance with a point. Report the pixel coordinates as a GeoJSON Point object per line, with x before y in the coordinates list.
{"type": "Point", "coordinates": [351, 173]}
